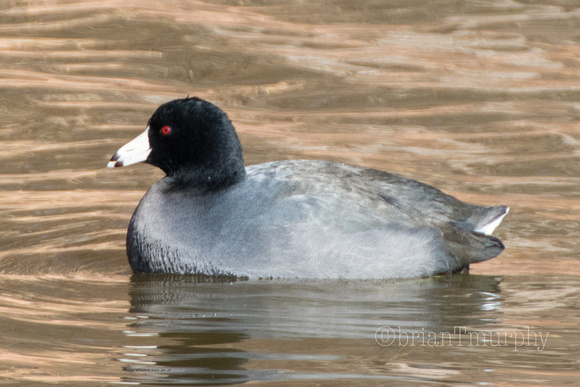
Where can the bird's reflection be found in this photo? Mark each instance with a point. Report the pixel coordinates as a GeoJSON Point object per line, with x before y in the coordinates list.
{"type": "Point", "coordinates": [186, 330]}
{"type": "Point", "coordinates": [166, 308]}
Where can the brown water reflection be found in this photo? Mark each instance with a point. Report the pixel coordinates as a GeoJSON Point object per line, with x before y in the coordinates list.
{"type": "Point", "coordinates": [477, 98]}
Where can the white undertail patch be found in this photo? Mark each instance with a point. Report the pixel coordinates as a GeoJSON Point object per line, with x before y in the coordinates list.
{"type": "Point", "coordinates": [488, 228]}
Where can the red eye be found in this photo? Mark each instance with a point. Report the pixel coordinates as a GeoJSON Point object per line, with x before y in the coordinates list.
{"type": "Point", "coordinates": [165, 130]}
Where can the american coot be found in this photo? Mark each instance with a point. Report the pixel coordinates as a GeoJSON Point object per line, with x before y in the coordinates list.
{"type": "Point", "coordinates": [301, 218]}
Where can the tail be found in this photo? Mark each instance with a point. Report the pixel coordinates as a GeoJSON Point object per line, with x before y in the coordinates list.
{"type": "Point", "coordinates": [471, 247]}
{"type": "Point", "coordinates": [475, 243]}
{"type": "Point", "coordinates": [490, 219]}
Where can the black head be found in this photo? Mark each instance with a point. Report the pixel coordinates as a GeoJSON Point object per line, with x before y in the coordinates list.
{"type": "Point", "coordinates": [194, 142]}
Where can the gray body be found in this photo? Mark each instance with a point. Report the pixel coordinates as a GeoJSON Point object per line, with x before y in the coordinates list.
{"type": "Point", "coordinates": [310, 219]}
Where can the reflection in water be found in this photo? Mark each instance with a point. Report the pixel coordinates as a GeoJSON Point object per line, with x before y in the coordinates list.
{"type": "Point", "coordinates": [76, 330]}
{"type": "Point", "coordinates": [204, 332]}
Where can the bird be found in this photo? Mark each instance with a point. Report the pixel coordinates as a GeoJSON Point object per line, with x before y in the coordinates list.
{"type": "Point", "coordinates": [212, 216]}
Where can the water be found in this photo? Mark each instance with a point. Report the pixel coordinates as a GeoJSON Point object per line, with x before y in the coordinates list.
{"type": "Point", "coordinates": [477, 98]}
